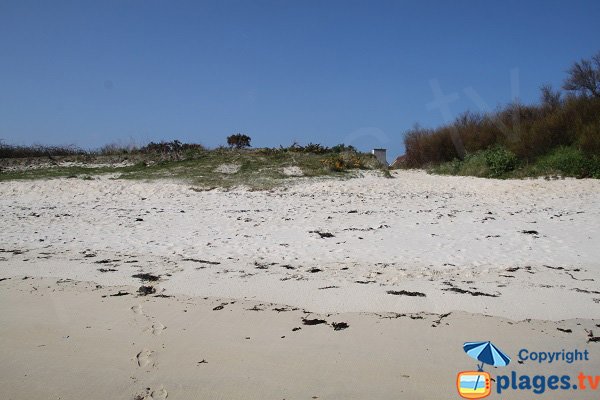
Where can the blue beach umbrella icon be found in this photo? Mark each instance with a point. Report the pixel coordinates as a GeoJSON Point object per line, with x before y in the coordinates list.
{"type": "Point", "coordinates": [487, 353]}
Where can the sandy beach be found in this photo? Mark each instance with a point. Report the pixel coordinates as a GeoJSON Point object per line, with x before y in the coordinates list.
{"type": "Point", "coordinates": [328, 289]}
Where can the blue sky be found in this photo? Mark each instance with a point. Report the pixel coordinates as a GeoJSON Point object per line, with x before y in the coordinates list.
{"type": "Point", "coordinates": [359, 72]}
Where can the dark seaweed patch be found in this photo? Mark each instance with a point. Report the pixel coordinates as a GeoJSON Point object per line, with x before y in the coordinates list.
{"type": "Point", "coordinates": [202, 261]}
{"type": "Point", "coordinates": [146, 290]}
{"type": "Point", "coordinates": [146, 277]}
{"type": "Point", "coordinates": [530, 232]}
{"type": "Point", "coordinates": [323, 235]}
{"type": "Point", "coordinates": [315, 321]}
{"type": "Point", "coordinates": [405, 293]}
{"type": "Point", "coordinates": [472, 293]}
{"type": "Point", "coordinates": [339, 326]}
{"type": "Point", "coordinates": [564, 330]}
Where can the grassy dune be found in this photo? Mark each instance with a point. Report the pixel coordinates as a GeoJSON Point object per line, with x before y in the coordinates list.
{"type": "Point", "coordinates": [226, 168]}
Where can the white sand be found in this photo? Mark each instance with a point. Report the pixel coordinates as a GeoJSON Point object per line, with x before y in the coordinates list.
{"type": "Point", "coordinates": [244, 268]}
{"type": "Point", "coordinates": [415, 232]}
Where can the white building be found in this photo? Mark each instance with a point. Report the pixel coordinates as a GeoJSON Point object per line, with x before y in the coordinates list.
{"type": "Point", "coordinates": [380, 154]}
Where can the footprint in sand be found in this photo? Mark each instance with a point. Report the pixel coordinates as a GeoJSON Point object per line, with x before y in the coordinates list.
{"type": "Point", "coordinates": [159, 394]}
{"type": "Point", "coordinates": [145, 358]}
{"type": "Point", "coordinates": [137, 309]}
{"type": "Point", "coordinates": [149, 394]}
{"type": "Point", "coordinates": [156, 328]}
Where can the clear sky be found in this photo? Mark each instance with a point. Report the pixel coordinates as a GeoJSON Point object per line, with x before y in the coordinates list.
{"type": "Point", "coordinates": [360, 72]}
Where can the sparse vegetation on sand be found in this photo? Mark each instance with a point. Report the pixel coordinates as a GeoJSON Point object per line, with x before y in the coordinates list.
{"type": "Point", "coordinates": [222, 167]}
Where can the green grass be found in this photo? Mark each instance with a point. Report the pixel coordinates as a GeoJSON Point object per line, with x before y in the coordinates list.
{"type": "Point", "coordinates": [258, 169]}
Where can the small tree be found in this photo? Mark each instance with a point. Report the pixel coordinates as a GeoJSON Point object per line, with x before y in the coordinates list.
{"type": "Point", "coordinates": [238, 141]}
{"type": "Point", "coordinates": [584, 77]}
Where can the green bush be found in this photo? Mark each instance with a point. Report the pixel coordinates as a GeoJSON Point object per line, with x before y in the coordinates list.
{"type": "Point", "coordinates": [341, 148]}
{"type": "Point", "coordinates": [500, 161]}
{"type": "Point", "coordinates": [494, 162]}
{"type": "Point", "coordinates": [311, 148]}
{"type": "Point", "coordinates": [569, 161]}
{"type": "Point", "coordinates": [595, 167]}
{"type": "Point", "coordinates": [449, 168]}
{"type": "Point", "coordinates": [474, 164]}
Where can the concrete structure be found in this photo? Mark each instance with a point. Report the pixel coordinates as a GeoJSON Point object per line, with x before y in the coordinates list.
{"type": "Point", "coordinates": [380, 155]}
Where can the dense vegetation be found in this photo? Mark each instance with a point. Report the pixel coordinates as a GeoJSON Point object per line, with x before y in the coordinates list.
{"type": "Point", "coordinates": [560, 135]}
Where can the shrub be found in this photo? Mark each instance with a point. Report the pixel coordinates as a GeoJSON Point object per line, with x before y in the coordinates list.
{"type": "Point", "coordinates": [449, 168]}
{"type": "Point", "coordinates": [172, 150]}
{"type": "Point", "coordinates": [334, 163]}
{"type": "Point", "coordinates": [115, 149]}
{"type": "Point", "coordinates": [567, 161]}
{"type": "Point", "coordinates": [425, 146]}
{"type": "Point", "coordinates": [594, 164]}
{"type": "Point", "coordinates": [589, 139]}
{"type": "Point", "coordinates": [314, 148]}
{"type": "Point", "coordinates": [238, 140]}
{"type": "Point", "coordinates": [342, 148]}
{"type": "Point", "coordinates": [475, 165]}
{"type": "Point", "coordinates": [500, 161]}
{"type": "Point", "coordinates": [311, 148]}
{"type": "Point", "coordinates": [344, 161]}
{"type": "Point", "coordinates": [10, 151]}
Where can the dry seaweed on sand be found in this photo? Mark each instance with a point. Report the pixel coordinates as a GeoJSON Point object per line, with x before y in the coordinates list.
{"type": "Point", "coordinates": [146, 277]}
{"type": "Point", "coordinates": [314, 321]}
{"type": "Point", "coordinates": [405, 293]}
{"type": "Point", "coordinates": [530, 232]}
{"type": "Point", "coordinates": [338, 326]}
{"type": "Point", "coordinates": [323, 235]}
{"type": "Point", "coordinates": [196, 260]}
{"type": "Point", "coordinates": [471, 292]}
{"type": "Point", "coordinates": [146, 290]}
